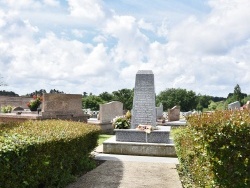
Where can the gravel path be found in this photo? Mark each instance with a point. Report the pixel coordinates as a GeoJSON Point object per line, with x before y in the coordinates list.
{"type": "Point", "coordinates": [127, 174]}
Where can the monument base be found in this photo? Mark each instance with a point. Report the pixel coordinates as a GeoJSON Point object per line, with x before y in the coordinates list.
{"type": "Point", "coordinates": [106, 128]}
{"type": "Point", "coordinates": [133, 135]}
{"type": "Point", "coordinates": [111, 146]}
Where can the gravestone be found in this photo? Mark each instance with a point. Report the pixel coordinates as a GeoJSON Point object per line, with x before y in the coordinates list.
{"type": "Point", "coordinates": [144, 99]}
{"type": "Point", "coordinates": [248, 105]}
{"type": "Point", "coordinates": [234, 106]}
{"type": "Point", "coordinates": [110, 110]}
{"type": "Point", "coordinates": [19, 108]}
{"type": "Point", "coordinates": [174, 114]}
{"type": "Point", "coordinates": [63, 106]}
{"type": "Point", "coordinates": [159, 111]}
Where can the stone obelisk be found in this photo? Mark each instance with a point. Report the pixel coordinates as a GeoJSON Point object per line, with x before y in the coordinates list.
{"type": "Point", "coordinates": [144, 99]}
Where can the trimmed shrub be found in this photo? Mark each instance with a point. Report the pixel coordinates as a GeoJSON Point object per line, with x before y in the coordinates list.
{"type": "Point", "coordinates": [45, 153]}
{"type": "Point", "coordinates": [6, 109]}
{"type": "Point", "coordinates": [214, 149]}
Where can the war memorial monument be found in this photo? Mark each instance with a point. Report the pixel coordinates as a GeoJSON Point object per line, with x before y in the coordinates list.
{"type": "Point", "coordinates": [137, 141]}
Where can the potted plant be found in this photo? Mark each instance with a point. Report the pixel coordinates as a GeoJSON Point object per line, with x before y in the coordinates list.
{"type": "Point", "coordinates": [35, 103]}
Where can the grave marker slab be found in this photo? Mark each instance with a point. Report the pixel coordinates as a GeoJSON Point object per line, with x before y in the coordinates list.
{"type": "Point", "coordinates": [234, 105]}
{"type": "Point", "coordinates": [174, 114]}
{"type": "Point", "coordinates": [110, 110]}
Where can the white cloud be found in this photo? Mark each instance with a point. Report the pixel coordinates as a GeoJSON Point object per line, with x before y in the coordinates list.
{"type": "Point", "coordinates": [53, 3]}
{"type": "Point", "coordinates": [145, 25]}
{"type": "Point", "coordinates": [208, 54]}
{"type": "Point", "coordinates": [226, 26]}
{"type": "Point", "coordinates": [22, 4]}
{"type": "Point", "coordinates": [86, 9]}
{"type": "Point", "coordinates": [99, 39]}
{"type": "Point", "coordinates": [78, 33]}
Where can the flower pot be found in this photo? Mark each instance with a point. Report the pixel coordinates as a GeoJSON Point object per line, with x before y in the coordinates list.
{"type": "Point", "coordinates": [33, 108]}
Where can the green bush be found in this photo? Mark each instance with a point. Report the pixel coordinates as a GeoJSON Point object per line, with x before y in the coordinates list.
{"type": "Point", "coordinates": [6, 109]}
{"type": "Point", "coordinates": [214, 149]}
{"type": "Point", "coordinates": [45, 153]}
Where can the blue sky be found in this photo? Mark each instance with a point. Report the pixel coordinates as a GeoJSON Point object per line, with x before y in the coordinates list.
{"type": "Point", "coordinates": [94, 46]}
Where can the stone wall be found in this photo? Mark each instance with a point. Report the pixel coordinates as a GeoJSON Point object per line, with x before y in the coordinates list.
{"type": "Point", "coordinates": [62, 106]}
{"type": "Point", "coordinates": [14, 101]}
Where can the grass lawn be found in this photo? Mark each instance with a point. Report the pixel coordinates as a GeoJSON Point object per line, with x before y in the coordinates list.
{"type": "Point", "coordinates": [103, 137]}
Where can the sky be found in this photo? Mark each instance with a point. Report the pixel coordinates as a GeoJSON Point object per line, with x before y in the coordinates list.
{"type": "Point", "coordinates": [96, 46]}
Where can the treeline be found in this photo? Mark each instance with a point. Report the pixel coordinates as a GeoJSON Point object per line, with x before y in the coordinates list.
{"type": "Point", "coordinates": [187, 100]}
{"type": "Point", "coordinates": [42, 91]}
{"type": "Point", "coordinates": [8, 93]}
{"type": "Point", "coordinates": [124, 95]}
{"type": "Point", "coordinates": [39, 92]}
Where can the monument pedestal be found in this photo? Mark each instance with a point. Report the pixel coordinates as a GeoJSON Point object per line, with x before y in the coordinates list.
{"type": "Point", "coordinates": [137, 142]}
{"type": "Point", "coordinates": [133, 135]}
{"type": "Point", "coordinates": [111, 146]}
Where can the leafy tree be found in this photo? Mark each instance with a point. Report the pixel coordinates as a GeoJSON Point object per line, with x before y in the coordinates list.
{"type": "Point", "coordinates": [8, 93]}
{"type": "Point", "coordinates": [105, 96]}
{"type": "Point", "coordinates": [247, 98]}
{"type": "Point", "coordinates": [237, 93]}
{"type": "Point", "coordinates": [171, 97]}
{"type": "Point", "coordinates": [84, 94]}
{"type": "Point", "coordinates": [203, 101]}
{"type": "Point", "coordinates": [212, 106]}
{"type": "Point", "coordinates": [55, 91]}
{"type": "Point", "coordinates": [42, 91]}
{"type": "Point", "coordinates": [125, 96]}
{"type": "Point", "coordinates": [92, 102]}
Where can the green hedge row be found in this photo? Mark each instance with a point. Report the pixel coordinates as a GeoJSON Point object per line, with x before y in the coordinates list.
{"type": "Point", "coordinates": [214, 149]}
{"type": "Point", "coordinates": [45, 153]}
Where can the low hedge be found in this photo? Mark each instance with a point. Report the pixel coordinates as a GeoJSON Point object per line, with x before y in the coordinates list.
{"type": "Point", "coordinates": [214, 149]}
{"type": "Point", "coordinates": [45, 153]}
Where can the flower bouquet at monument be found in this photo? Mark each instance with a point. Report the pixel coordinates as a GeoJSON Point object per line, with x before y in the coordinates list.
{"type": "Point", "coordinates": [35, 103]}
{"type": "Point", "coordinates": [121, 122]}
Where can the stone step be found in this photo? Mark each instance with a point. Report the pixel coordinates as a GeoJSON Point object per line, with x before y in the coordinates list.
{"type": "Point", "coordinates": [111, 146]}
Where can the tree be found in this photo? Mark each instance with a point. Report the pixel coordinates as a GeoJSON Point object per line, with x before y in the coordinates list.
{"type": "Point", "coordinates": [237, 93]}
{"type": "Point", "coordinates": [92, 102]}
{"type": "Point", "coordinates": [8, 93]}
{"type": "Point", "coordinates": [84, 94]}
{"type": "Point", "coordinates": [105, 96]}
{"type": "Point", "coordinates": [125, 96]}
{"type": "Point", "coordinates": [172, 97]}
{"type": "Point", "coordinates": [247, 98]}
{"type": "Point", "coordinates": [212, 106]}
{"type": "Point", "coordinates": [203, 101]}
{"type": "Point", "coordinates": [42, 91]}
{"type": "Point", "coordinates": [55, 91]}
